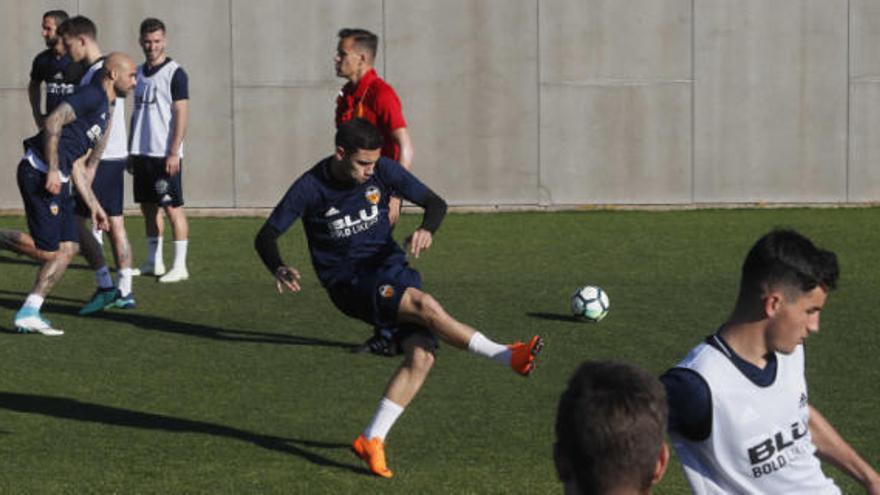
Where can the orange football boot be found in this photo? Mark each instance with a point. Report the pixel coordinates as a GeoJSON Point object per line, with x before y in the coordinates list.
{"type": "Point", "coordinates": [372, 451]}
{"type": "Point", "coordinates": [524, 356]}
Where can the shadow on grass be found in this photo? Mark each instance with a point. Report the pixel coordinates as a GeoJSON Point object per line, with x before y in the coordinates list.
{"type": "Point", "coordinates": [24, 260]}
{"type": "Point", "coordinates": [555, 317]}
{"type": "Point", "coordinates": [61, 407]}
{"type": "Point", "coordinates": [149, 322]}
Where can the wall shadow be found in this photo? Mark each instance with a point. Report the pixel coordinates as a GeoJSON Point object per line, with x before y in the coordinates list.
{"type": "Point", "coordinates": [156, 323]}
{"type": "Point", "coordinates": [72, 409]}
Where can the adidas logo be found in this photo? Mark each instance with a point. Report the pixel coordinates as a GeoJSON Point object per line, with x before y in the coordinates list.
{"type": "Point", "coordinates": [332, 211]}
{"type": "Point", "coordinates": [803, 401]}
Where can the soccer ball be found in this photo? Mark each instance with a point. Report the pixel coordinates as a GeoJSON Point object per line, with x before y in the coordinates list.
{"type": "Point", "coordinates": [590, 303]}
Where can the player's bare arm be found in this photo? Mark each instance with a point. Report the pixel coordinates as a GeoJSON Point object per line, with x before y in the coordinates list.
{"type": "Point", "coordinates": [179, 118]}
{"type": "Point", "coordinates": [55, 122]}
{"type": "Point", "coordinates": [82, 182]}
{"type": "Point", "coordinates": [831, 447]}
{"type": "Point", "coordinates": [34, 98]}
{"type": "Point", "coordinates": [401, 136]}
{"type": "Point", "coordinates": [94, 158]}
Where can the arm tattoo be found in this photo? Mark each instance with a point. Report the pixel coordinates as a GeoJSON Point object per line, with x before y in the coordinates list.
{"type": "Point", "coordinates": [83, 187]}
{"type": "Point", "coordinates": [61, 116]}
{"type": "Point", "coordinates": [98, 150]}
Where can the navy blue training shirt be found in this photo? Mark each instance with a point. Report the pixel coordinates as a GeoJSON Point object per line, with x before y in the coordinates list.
{"type": "Point", "coordinates": [91, 106]}
{"type": "Point", "coordinates": [61, 76]}
{"type": "Point", "coordinates": [689, 397]}
{"type": "Point", "coordinates": [347, 224]}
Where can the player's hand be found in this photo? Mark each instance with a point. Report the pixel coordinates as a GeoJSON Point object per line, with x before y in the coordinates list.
{"type": "Point", "coordinates": [172, 165]}
{"type": "Point", "coordinates": [53, 182]}
{"type": "Point", "coordinates": [100, 219]}
{"type": "Point", "coordinates": [394, 209]}
{"type": "Point", "coordinates": [286, 276]}
{"type": "Point", "coordinates": [419, 241]}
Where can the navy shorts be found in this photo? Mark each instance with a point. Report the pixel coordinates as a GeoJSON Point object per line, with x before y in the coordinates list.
{"type": "Point", "coordinates": [153, 185]}
{"type": "Point", "coordinates": [109, 188]}
{"type": "Point", "coordinates": [374, 296]}
{"type": "Point", "coordinates": [49, 217]}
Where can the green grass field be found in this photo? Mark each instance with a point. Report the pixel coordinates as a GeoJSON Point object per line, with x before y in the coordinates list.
{"type": "Point", "coordinates": [220, 385]}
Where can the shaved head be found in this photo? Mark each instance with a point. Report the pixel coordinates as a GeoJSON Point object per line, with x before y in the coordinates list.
{"type": "Point", "coordinates": [118, 61]}
{"type": "Point", "coordinates": [119, 68]}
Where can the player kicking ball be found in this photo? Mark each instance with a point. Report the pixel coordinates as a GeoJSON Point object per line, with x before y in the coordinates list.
{"type": "Point", "coordinates": [343, 202]}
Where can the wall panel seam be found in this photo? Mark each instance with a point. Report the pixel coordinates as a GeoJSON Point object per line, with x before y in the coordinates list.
{"type": "Point", "coordinates": [232, 105]}
{"type": "Point", "coordinates": [847, 167]}
{"type": "Point", "coordinates": [693, 111]}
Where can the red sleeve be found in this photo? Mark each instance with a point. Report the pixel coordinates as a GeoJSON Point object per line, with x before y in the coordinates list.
{"type": "Point", "coordinates": [389, 114]}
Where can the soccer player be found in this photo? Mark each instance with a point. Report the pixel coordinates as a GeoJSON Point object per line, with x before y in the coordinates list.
{"type": "Point", "coordinates": [158, 126]}
{"type": "Point", "coordinates": [739, 414]}
{"type": "Point", "coordinates": [54, 158]}
{"type": "Point", "coordinates": [80, 35]}
{"type": "Point", "coordinates": [343, 201]}
{"type": "Point", "coordinates": [610, 431]}
{"type": "Point", "coordinates": [369, 97]}
{"type": "Point", "coordinates": [53, 67]}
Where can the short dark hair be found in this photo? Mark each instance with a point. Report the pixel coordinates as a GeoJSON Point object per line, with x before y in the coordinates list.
{"type": "Point", "coordinates": [78, 26]}
{"type": "Point", "coordinates": [358, 134]}
{"type": "Point", "coordinates": [786, 260]}
{"type": "Point", "coordinates": [363, 39]}
{"type": "Point", "coordinates": [611, 425]}
{"type": "Point", "coordinates": [58, 15]}
{"type": "Point", "coordinates": [151, 25]}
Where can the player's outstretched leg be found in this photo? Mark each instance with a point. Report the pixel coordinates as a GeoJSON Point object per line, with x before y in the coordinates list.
{"type": "Point", "coordinates": [28, 319]}
{"type": "Point", "coordinates": [420, 308]}
{"type": "Point", "coordinates": [418, 360]}
{"type": "Point", "coordinates": [21, 243]}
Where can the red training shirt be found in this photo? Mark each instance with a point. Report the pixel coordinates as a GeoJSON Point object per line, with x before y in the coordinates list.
{"type": "Point", "coordinates": [374, 100]}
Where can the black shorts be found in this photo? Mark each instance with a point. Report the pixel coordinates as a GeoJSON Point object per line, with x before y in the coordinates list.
{"type": "Point", "coordinates": [374, 297]}
{"type": "Point", "coordinates": [49, 217]}
{"type": "Point", "coordinates": [153, 185]}
{"type": "Point", "coordinates": [109, 188]}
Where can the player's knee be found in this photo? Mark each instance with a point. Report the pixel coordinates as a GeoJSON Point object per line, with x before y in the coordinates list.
{"type": "Point", "coordinates": [427, 307]}
{"type": "Point", "coordinates": [422, 359]}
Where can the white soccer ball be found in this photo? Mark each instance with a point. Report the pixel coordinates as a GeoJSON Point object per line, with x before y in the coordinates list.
{"type": "Point", "coordinates": [590, 303]}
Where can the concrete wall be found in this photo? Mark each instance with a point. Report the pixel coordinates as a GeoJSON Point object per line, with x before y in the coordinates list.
{"type": "Point", "coordinates": [516, 102]}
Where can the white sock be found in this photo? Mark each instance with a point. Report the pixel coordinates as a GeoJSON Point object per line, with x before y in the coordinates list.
{"type": "Point", "coordinates": [180, 254]}
{"type": "Point", "coordinates": [383, 420]}
{"type": "Point", "coordinates": [102, 277]}
{"type": "Point", "coordinates": [124, 284]}
{"type": "Point", "coordinates": [154, 250]}
{"type": "Point", "coordinates": [33, 301]}
{"type": "Point", "coordinates": [482, 346]}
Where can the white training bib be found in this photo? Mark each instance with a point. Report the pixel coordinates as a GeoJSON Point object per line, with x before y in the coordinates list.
{"type": "Point", "coordinates": [760, 441]}
{"type": "Point", "coordinates": [117, 142]}
{"type": "Point", "coordinates": [151, 120]}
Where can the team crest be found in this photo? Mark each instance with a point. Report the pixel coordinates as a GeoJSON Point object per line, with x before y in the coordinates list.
{"type": "Point", "coordinates": [373, 195]}
{"type": "Point", "coordinates": [386, 291]}
{"type": "Point", "coordinates": [53, 209]}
